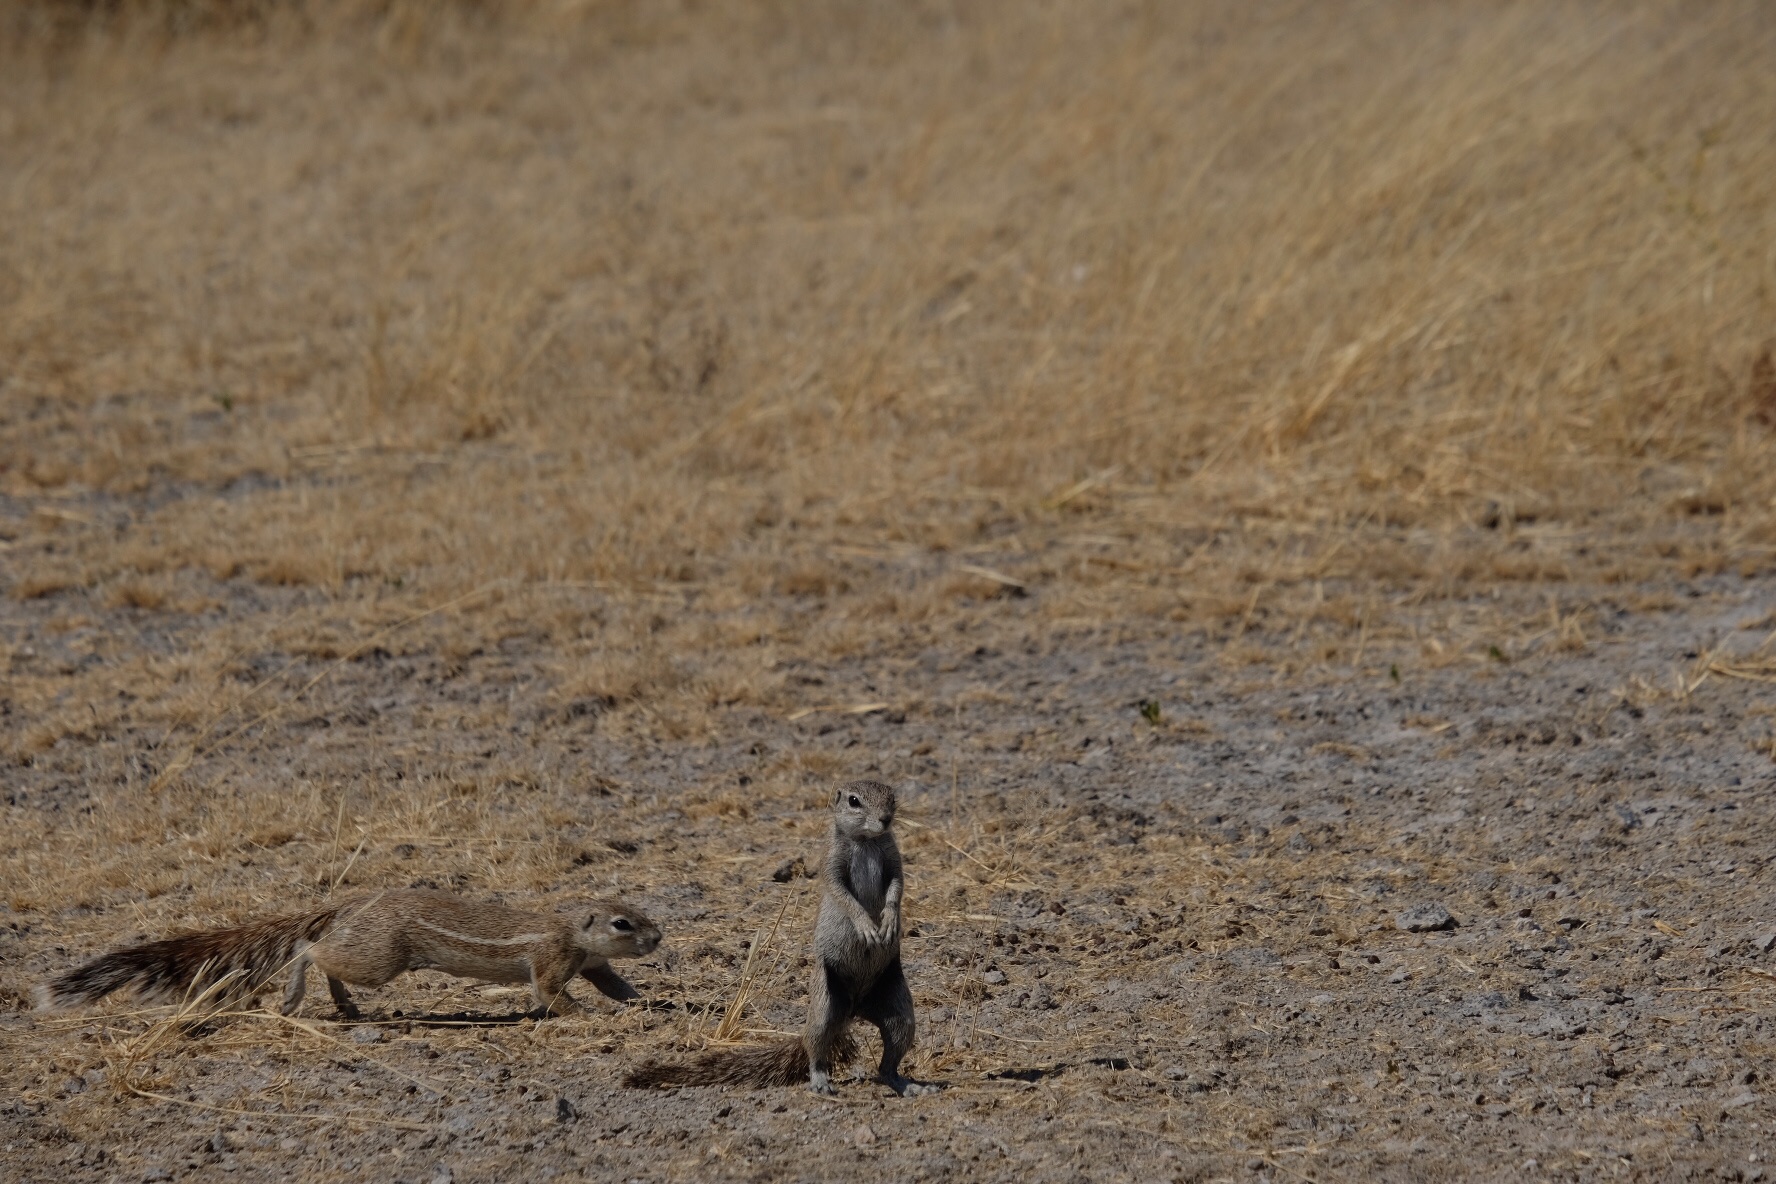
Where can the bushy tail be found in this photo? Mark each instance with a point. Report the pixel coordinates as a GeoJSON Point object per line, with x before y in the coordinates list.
{"type": "Point", "coordinates": [180, 966]}
{"type": "Point", "coordinates": [782, 1063]}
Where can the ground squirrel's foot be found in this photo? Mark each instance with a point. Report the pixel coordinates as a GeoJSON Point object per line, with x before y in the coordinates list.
{"type": "Point", "coordinates": [820, 1083]}
{"type": "Point", "coordinates": [350, 1012]}
{"type": "Point", "coordinates": [906, 1087]}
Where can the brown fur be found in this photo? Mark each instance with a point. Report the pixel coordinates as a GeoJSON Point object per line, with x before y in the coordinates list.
{"type": "Point", "coordinates": [190, 963]}
{"type": "Point", "coordinates": [370, 940]}
{"type": "Point", "coordinates": [857, 972]}
{"type": "Point", "coordinates": [784, 1062]}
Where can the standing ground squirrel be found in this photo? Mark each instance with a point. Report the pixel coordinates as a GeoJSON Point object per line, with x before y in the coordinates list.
{"type": "Point", "coordinates": [369, 940]}
{"type": "Point", "coordinates": [857, 972]}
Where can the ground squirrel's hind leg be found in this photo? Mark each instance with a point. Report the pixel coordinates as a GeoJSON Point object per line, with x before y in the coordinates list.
{"type": "Point", "coordinates": [829, 1012]}
{"type": "Point", "coordinates": [889, 1006]}
{"type": "Point", "coordinates": [342, 998]}
{"type": "Point", "coordinates": [549, 985]}
{"type": "Point", "coordinates": [298, 986]}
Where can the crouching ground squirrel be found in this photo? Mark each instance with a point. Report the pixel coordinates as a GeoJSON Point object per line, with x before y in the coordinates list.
{"type": "Point", "coordinates": [857, 971]}
{"type": "Point", "coordinates": [371, 939]}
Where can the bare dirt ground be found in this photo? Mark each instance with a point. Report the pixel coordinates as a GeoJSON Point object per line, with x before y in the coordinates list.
{"type": "Point", "coordinates": [1283, 488]}
{"type": "Point", "coordinates": [1141, 948]}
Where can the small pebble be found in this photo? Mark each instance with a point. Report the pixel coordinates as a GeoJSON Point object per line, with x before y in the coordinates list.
{"type": "Point", "coordinates": [1400, 975]}
{"type": "Point", "coordinates": [863, 1136]}
{"type": "Point", "coordinates": [993, 977]}
{"type": "Point", "coordinates": [366, 1035]}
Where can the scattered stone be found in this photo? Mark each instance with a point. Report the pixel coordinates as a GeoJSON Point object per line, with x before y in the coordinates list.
{"type": "Point", "coordinates": [1400, 975]}
{"type": "Point", "coordinates": [1765, 942]}
{"type": "Point", "coordinates": [788, 870]}
{"type": "Point", "coordinates": [154, 1175]}
{"type": "Point", "coordinates": [219, 1144]}
{"type": "Point", "coordinates": [565, 1111]}
{"type": "Point", "coordinates": [367, 1035]}
{"type": "Point", "coordinates": [1424, 918]}
{"type": "Point", "coordinates": [443, 1175]}
{"type": "Point", "coordinates": [863, 1136]}
{"type": "Point", "coordinates": [993, 977]}
{"type": "Point", "coordinates": [1177, 1073]}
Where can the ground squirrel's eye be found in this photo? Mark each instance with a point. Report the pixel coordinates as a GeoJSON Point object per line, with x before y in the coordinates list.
{"type": "Point", "coordinates": [855, 804]}
{"type": "Point", "coordinates": [621, 924]}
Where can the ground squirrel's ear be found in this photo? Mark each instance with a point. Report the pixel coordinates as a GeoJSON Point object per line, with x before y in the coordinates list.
{"type": "Point", "coordinates": [591, 920]}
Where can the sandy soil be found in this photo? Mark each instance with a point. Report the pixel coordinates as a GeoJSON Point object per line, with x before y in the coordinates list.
{"type": "Point", "coordinates": [1140, 950]}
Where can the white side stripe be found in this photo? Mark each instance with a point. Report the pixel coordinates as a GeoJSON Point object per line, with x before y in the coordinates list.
{"type": "Point", "coordinates": [523, 939]}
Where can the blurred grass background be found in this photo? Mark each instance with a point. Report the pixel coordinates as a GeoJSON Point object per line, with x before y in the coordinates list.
{"type": "Point", "coordinates": [816, 326]}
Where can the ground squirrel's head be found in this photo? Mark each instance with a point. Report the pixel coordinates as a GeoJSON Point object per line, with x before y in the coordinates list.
{"type": "Point", "coordinates": [617, 929]}
{"type": "Point", "coordinates": [863, 809]}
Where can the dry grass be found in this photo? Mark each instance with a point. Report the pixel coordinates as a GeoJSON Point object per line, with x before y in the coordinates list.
{"type": "Point", "coordinates": [758, 331]}
{"type": "Point", "coordinates": [701, 347]}
{"type": "Point", "coordinates": [1148, 308]}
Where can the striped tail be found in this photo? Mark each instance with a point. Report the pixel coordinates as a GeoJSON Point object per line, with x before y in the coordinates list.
{"type": "Point", "coordinates": [180, 966]}
{"type": "Point", "coordinates": [782, 1063]}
